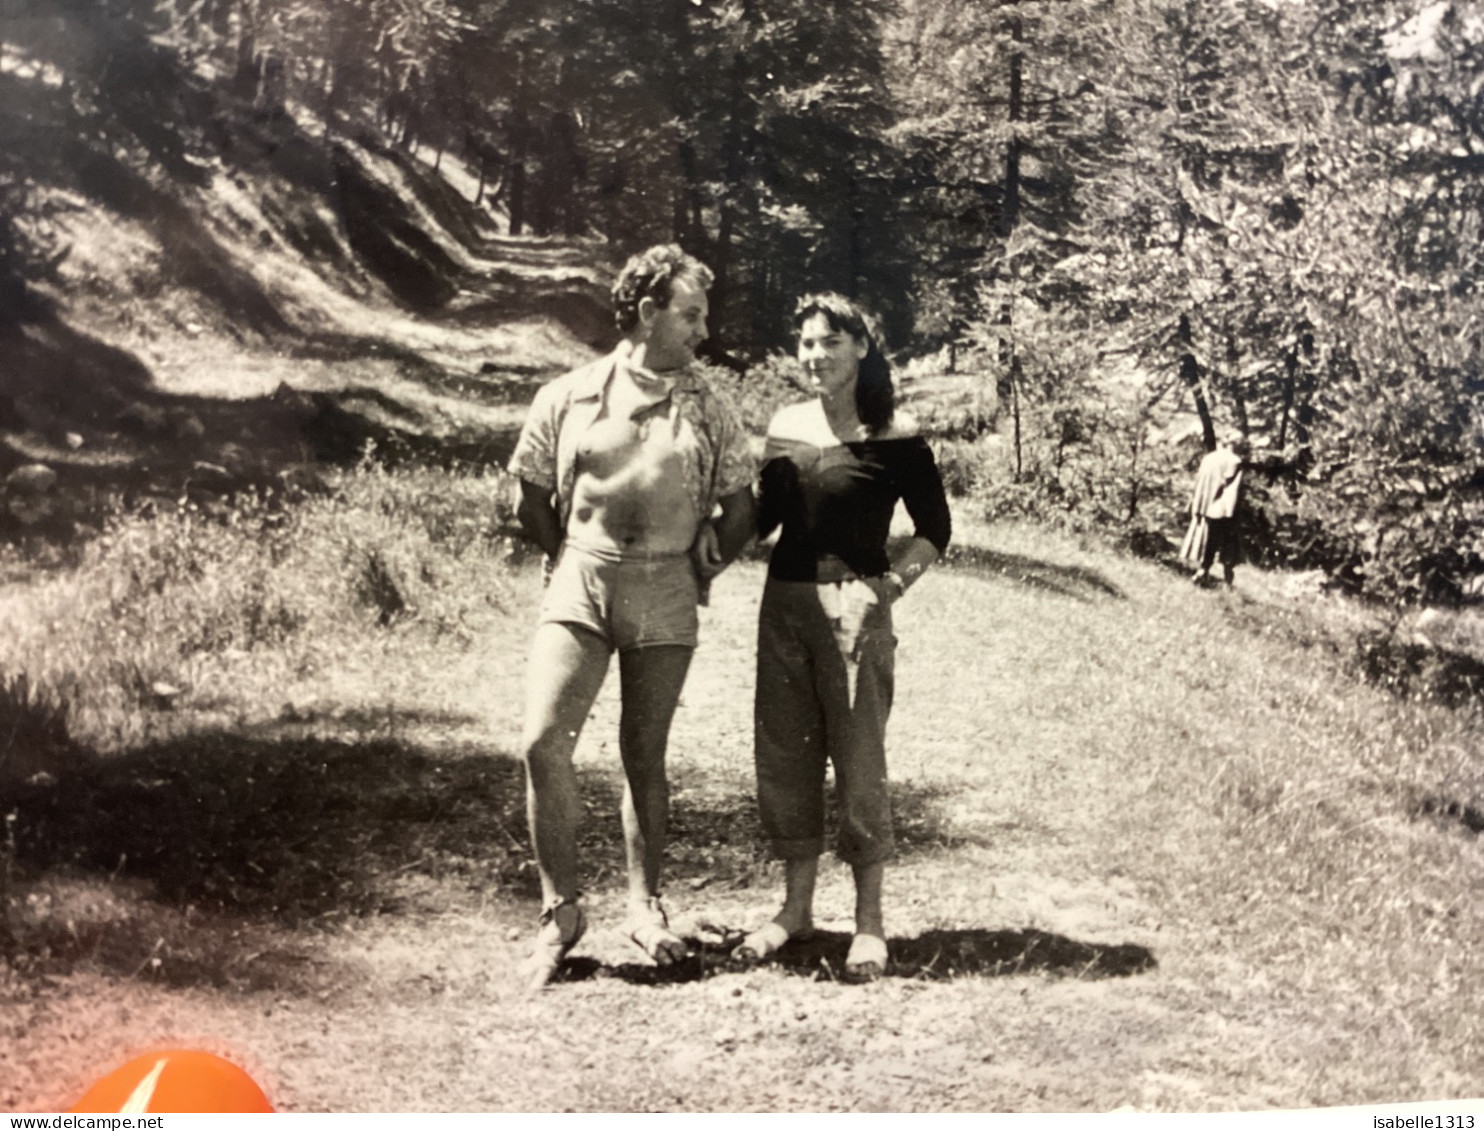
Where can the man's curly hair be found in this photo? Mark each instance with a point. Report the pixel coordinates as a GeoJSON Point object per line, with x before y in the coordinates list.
{"type": "Point", "coordinates": [652, 274]}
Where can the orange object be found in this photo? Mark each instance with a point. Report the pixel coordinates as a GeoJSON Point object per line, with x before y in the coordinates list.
{"type": "Point", "coordinates": [178, 1080]}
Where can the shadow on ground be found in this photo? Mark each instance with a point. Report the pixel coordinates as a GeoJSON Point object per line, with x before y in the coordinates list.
{"type": "Point", "coordinates": [285, 823]}
{"type": "Point", "coordinates": [283, 828]}
{"type": "Point", "coordinates": [1077, 582]}
{"type": "Point", "coordinates": [201, 860]}
{"type": "Point", "coordinates": [715, 835]}
{"type": "Point", "coordinates": [194, 861]}
{"type": "Point", "coordinates": [88, 420]}
{"type": "Point", "coordinates": [932, 956]}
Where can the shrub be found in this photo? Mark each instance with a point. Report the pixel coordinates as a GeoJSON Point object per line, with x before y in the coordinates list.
{"type": "Point", "coordinates": [968, 467]}
{"type": "Point", "coordinates": [765, 387]}
{"type": "Point", "coordinates": [965, 421]}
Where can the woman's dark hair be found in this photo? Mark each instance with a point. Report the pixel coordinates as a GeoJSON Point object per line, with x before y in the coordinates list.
{"type": "Point", "coordinates": [875, 396]}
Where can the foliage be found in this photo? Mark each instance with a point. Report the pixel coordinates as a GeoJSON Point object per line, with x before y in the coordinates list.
{"type": "Point", "coordinates": [760, 390]}
{"type": "Point", "coordinates": [1283, 242]}
{"type": "Point", "coordinates": [1265, 216]}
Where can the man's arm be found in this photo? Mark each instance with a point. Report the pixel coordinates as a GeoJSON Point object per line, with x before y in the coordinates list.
{"type": "Point", "coordinates": [538, 517]}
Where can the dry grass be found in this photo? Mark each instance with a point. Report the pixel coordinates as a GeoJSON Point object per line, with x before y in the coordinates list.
{"type": "Point", "coordinates": [1160, 847]}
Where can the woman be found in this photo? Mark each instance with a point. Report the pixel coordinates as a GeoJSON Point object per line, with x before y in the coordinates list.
{"type": "Point", "coordinates": [1213, 511]}
{"type": "Point", "coordinates": [833, 470]}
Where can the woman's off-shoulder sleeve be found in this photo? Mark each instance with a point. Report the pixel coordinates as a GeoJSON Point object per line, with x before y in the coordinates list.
{"type": "Point", "coordinates": [777, 480]}
{"type": "Point", "coordinates": [922, 492]}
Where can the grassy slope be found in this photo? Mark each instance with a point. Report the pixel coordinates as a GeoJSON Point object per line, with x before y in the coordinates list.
{"type": "Point", "coordinates": [1094, 765]}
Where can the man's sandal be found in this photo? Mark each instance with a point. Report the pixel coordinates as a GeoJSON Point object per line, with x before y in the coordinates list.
{"type": "Point", "coordinates": [552, 943]}
{"type": "Point", "coordinates": [649, 930]}
{"type": "Point", "coordinates": [867, 958]}
{"type": "Point", "coordinates": [767, 941]}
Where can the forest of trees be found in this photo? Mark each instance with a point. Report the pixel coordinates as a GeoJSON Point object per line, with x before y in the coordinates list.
{"type": "Point", "coordinates": [1268, 210]}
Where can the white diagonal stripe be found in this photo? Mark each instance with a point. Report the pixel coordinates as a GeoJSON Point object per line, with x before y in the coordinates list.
{"type": "Point", "coordinates": [144, 1091]}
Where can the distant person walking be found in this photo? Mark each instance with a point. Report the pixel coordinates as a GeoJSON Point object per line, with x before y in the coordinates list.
{"type": "Point", "coordinates": [621, 464]}
{"type": "Point", "coordinates": [1212, 532]}
{"type": "Point", "coordinates": [833, 471]}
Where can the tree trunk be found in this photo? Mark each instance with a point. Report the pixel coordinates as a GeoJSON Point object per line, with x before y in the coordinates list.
{"type": "Point", "coordinates": [1009, 386]}
{"type": "Point", "coordinates": [274, 88]}
{"type": "Point", "coordinates": [1015, 416]}
{"type": "Point", "coordinates": [1290, 382]}
{"type": "Point", "coordinates": [561, 173]}
{"type": "Point", "coordinates": [248, 73]}
{"type": "Point", "coordinates": [1190, 373]}
{"type": "Point", "coordinates": [735, 178]}
{"type": "Point", "coordinates": [688, 207]}
{"type": "Point", "coordinates": [1011, 205]}
{"type": "Point", "coordinates": [721, 261]}
{"type": "Point", "coordinates": [1133, 470]}
{"type": "Point", "coordinates": [219, 17]}
{"type": "Point", "coordinates": [518, 134]}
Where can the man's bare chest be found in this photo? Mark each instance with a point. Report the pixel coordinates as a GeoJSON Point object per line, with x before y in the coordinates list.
{"type": "Point", "coordinates": [659, 440]}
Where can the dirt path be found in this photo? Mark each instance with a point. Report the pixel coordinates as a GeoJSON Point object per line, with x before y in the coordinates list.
{"type": "Point", "coordinates": [1049, 952]}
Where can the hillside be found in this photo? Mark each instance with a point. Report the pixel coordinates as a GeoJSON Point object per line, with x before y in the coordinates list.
{"type": "Point", "coordinates": [238, 297]}
{"type": "Point", "coordinates": [1159, 849]}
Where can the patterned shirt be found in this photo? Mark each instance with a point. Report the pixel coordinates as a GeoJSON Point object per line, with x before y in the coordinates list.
{"type": "Point", "coordinates": [715, 458]}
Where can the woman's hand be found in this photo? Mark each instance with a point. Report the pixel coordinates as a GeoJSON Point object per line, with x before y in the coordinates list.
{"type": "Point", "coordinates": [888, 588]}
{"type": "Point", "coordinates": [705, 552]}
{"type": "Point", "coordinates": [859, 599]}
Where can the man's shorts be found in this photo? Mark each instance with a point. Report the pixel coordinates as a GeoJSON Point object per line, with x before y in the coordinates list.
{"type": "Point", "coordinates": [630, 600]}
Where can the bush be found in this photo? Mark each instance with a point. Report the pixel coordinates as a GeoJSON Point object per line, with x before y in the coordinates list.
{"type": "Point", "coordinates": [765, 387]}
{"type": "Point", "coordinates": [1410, 669]}
{"type": "Point", "coordinates": [969, 467]}
{"type": "Point", "coordinates": [964, 422]}
{"type": "Point", "coordinates": [1081, 467]}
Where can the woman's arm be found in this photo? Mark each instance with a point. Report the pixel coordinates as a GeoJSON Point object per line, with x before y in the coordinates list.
{"type": "Point", "coordinates": [927, 503]}
{"type": "Point", "coordinates": [912, 561]}
{"type": "Point", "coordinates": [720, 540]}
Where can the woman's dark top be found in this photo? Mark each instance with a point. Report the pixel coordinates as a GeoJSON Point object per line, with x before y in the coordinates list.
{"type": "Point", "coordinates": [839, 501]}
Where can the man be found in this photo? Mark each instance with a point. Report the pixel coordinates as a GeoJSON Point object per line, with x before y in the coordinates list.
{"type": "Point", "coordinates": [1213, 512]}
{"type": "Point", "coordinates": [622, 464]}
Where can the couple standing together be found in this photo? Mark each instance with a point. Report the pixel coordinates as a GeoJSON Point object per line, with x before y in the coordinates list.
{"type": "Point", "coordinates": [638, 483]}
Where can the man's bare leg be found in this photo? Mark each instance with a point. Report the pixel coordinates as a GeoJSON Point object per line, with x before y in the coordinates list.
{"type": "Point", "coordinates": [651, 681]}
{"type": "Point", "coordinates": [566, 669]}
